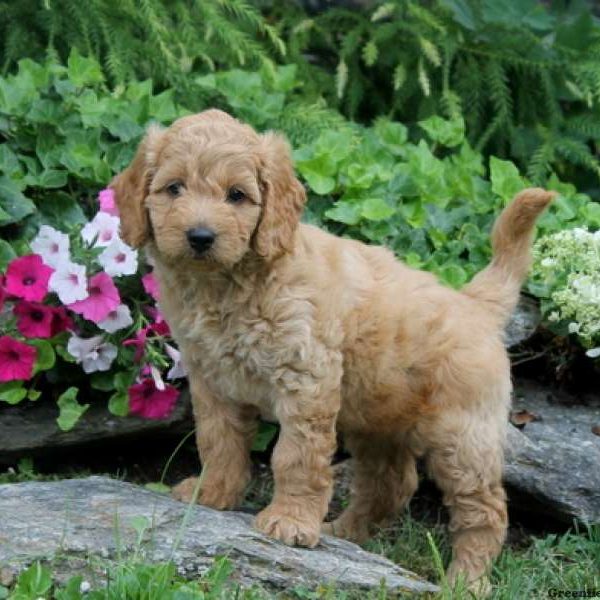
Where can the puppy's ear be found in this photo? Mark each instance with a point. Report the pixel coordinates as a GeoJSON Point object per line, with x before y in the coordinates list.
{"type": "Point", "coordinates": [283, 198]}
{"type": "Point", "coordinates": [131, 188]}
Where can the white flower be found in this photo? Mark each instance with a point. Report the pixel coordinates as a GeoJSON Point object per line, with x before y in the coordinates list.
{"type": "Point", "coordinates": [118, 259]}
{"type": "Point", "coordinates": [117, 319]}
{"type": "Point", "coordinates": [85, 587]}
{"type": "Point", "coordinates": [92, 353]}
{"type": "Point", "coordinates": [593, 352]}
{"type": "Point", "coordinates": [548, 262]}
{"type": "Point", "coordinates": [177, 371]}
{"type": "Point", "coordinates": [158, 380]}
{"type": "Point", "coordinates": [101, 230]}
{"type": "Point", "coordinates": [574, 327]}
{"type": "Point", "coordinates": [52, 245]}
{"type": "Point", "coordinates": [69, 281]}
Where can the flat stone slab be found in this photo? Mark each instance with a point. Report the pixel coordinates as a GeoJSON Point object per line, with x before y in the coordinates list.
{"type": "Point", "coordinates": [81, 517]}
{"type": "Point", "coordinates": [30, 428]}
{"type": "Point", "coordinates": [553, 463]}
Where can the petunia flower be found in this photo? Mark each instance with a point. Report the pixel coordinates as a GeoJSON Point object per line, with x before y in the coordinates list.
{"type": "Point", "coordinates": [101, 230]}
{"type": "Point", "coordinates": [34, 320]}
{"type": "Point", "coordinates": [52, 245]}
{"type": "Point", "coordinates": [146, 400]}
{"type": "Point", "coordinates": [151, 285]}
{"type": "Point", "coordinates": [117, 319]}
{"type": "Point", "coordinates": [103, 298]}
{"type": "Point", "coordinates": [27, 277]}
{"type": "Point", "coordinates": [16, 359]}
{"type": "Point", "coordinates": [106, 199]}
{"type": "Point", "coordinates": [593, 352]}
{"type": "Point", "coordinates": [118, 259]}
{"type": "Point", "coordinates": [139, 343]}
{"type": "Point", "coordinates": [93, 353]}
{"type": "Point", "coordinates": [177, 371]}
{"type": "Point", "coordinates": [69, 282]}
{"type": "Point", "coordinates": [61, 321]}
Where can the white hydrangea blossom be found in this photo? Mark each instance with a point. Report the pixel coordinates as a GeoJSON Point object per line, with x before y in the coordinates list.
{"type": "Point", "coordinates": [567, 263]}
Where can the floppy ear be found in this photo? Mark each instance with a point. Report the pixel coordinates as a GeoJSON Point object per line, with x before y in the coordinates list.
{"type": "Point", "coordinates": [131, 188]}
{"type": "Point", "coordinates": [283, 198]}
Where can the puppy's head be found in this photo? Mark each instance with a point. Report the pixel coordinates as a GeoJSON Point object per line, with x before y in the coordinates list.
{"type": "Point", "coordinates": [209, 190]}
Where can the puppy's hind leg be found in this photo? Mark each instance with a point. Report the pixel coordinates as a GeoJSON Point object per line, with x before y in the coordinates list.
{"type": "Point", "coordinates": [384, 480]}
{"type": "Point", "coordinates": [466, 463]}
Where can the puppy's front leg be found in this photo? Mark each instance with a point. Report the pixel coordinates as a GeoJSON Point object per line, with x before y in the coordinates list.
{"type": "Point", "coordinates": [224, 434]}
{"type": "Point", "coordinates": [302, 471]}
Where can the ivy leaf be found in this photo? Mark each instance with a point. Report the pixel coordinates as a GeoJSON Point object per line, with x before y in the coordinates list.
{"type": "Point", "coordinates": [12, 392]}
{"type": "Point", "coordinates": [70, 409]}
{"type": "Point", "coordinates": [506, 181]}
{"type": "Point", "coordinates": [82, 70]}
{"type": "Point", "coordinates": [46, 357]}
{"type": "Point", "coordinates": [6, 254]}
{"type": "Point", "coordinates": [376, 209]}
{"type": "Point", "coordinates": [118, 404]}
{"type": "Point", "coordinates": [446, 132]}
{"type": "Point", "coordinates": [13, 204]}
{"type": "Point", "coordinates": [344, 212]}
{"type": "Point", "coordinates": [265, 435]}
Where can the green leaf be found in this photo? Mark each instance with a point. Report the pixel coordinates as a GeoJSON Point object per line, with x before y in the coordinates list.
{"type": "Point", "coordinates": [71, 590]}
{"type": "Point", "coordinates": [70, 409]}
{"type": "Point", "coordinates": [33, 395]}
{"type": "Point", "coordinates": [376, 209]}
{"type": "Point", "coordinates": [6, 254]}
{"type": "Point", "coordinates": [13, 204]}
{"type": "Point", "coordinates": [446, 132]}
{"type": "Point", "coordinates": [453, 275]}
{"type": "Point", "coordinates": [103, 381]}
{"type": "Point", "coordinates": [265, 435]}
{"type": "Point", "coordinates": [46, 356]}
{"type": "Point", "coordinates": [60, 209]}
{"type": "Point", "coordinates": [118, 404]}
{"type": "Point", "coordinates": [318, 183]}
{"type": "Point", "coordinates": [161, 488]}
{"type": "Point", "coordinates": [344, 212]}
{"type": "Point", "coordinates": [12, 392]}
{"type": "Point", "coordinates": [33, 583]}
{"type": "Point", "coordinates": [83, 71]}
{"type": "Point", "coordinates": [123, 379]}
{"type": "Point", "coordinates": [506, 181]}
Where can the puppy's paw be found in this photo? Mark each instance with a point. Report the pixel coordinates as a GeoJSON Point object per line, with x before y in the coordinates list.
{"type": "Point", "coordinates": [288, 526]}
{"type": "Point", "coordinates": [479, 587]}
{"type": "Point", "coordinates": [213, 496]}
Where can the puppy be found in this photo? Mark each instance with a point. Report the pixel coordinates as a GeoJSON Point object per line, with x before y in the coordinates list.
{"type": "Point", "coordinates": [280, 319]}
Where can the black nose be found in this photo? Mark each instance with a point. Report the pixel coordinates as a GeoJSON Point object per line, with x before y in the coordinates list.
{"type": "Point", "coordinates": [200, 238]}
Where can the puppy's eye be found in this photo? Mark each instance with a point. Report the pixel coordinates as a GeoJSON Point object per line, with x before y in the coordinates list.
{"type": "Point", "coordinates": [235, 196]}
{"type": "Point", "coordinates": [174, 189]}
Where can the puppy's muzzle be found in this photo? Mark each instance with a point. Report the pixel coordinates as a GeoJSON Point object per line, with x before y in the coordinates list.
{"type": "Point", "coordinates": [200, 239]}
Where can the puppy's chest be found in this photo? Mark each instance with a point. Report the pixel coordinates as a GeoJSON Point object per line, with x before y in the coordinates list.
{"type": "Point", "coordinates": [246, 357]}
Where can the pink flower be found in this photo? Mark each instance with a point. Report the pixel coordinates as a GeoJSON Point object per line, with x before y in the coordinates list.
{"type": "Point", "coordinates": [27, 277]}
{"type": "Point", "coordinates": [106, 198]}
{"type": "Point", "coordinates": [151, 285]}
{"type": "Point", "coordinates": [34, 320]}
{"type": "Point", "coordinates": [139, 343]}
{"type": "Point", "coordinates": [146, 400]}
{"type": "Point", "coordinates": [103, 298]}
{"type": "Point", "coordinates": [16, 359]}
{"type": "Point", "coordinates": [60, 320]}
{"type": "Point", "coordinates": [2, 292]}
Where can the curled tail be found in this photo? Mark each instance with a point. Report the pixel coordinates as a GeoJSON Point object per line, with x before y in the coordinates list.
{"type": "Point", "coordinates": [499, 284]}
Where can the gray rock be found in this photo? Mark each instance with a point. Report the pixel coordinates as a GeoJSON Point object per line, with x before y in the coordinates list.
{"type": "Point", "coordinates": [71, 519]}
{"type": "Point", "coordinates": [523, 323]}
{"type": "Point", "coordinates": [30, 428]}
{"type": "Point", "coordinates": [553, 464]}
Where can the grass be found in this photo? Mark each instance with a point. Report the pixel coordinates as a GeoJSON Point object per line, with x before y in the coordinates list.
{"type": "Point", "coordinates": [533, 568]}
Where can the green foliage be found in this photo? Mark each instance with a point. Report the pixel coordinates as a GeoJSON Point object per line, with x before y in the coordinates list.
{"type": "Point", "coordinates": [139, 39]}
{"type": "Point", "coordinates": [432, 205]}
{"type": "Point", "coordinates": [62, 137]}
{"type": "Point", "coordinates": [524, 76]}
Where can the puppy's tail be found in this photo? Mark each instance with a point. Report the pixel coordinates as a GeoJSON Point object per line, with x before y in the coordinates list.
{"type": "Point", "coordinates": [499, 284]}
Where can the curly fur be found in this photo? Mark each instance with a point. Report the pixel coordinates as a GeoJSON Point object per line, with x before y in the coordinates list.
{"type": "Point", "coordinates": [283, 320]}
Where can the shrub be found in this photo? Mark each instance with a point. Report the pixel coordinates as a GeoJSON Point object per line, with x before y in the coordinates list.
{"type": "Point", "coordinates": [139, 39]}
{"type": "Point", "coordinates": [524, 76]}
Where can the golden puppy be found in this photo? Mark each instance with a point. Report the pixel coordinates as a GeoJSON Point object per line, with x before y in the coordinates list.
{"type": "Point", "coordinates": [281, 319]}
